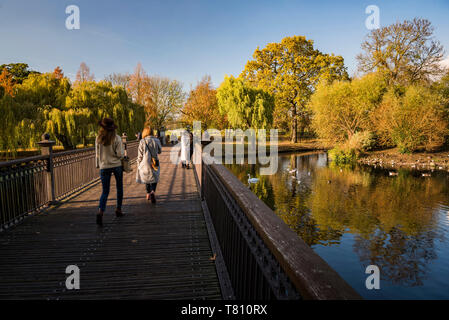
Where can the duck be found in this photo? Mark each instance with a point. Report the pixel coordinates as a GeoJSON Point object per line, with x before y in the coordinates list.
{"type": "Point", "coordinates": [252, 180]}
{"type": "Point", "coordinates": [426, 174]}
{"type": "Point", "coordinates": [292, 171]}
{"type": "Point", "coordinates": [392, 173]}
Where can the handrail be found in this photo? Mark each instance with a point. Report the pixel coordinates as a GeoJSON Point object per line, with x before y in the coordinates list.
{"type": "Point", "coordinates": [22, 160]}
{"type": "Point", "coordinates": [311, 276]}
{"type": "Point", "coordinates": [29, 184]}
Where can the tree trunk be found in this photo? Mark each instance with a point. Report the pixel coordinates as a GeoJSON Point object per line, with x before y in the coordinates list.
{"type": "Point", "coordinates": [294, 130]}
{"type": "Point", "coordinates": [65, 142]}
{"type": "Point", "coordinates": [294, 126]}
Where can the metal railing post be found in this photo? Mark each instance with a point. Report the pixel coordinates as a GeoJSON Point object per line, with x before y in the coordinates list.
{"type": "Point", "coordinates": [124, 141]}
{"type": "Point", "coordinates": [46, 146]}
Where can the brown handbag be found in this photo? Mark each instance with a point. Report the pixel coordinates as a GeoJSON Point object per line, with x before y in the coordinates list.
{"type": "Point", "coordinates": [126, 165]}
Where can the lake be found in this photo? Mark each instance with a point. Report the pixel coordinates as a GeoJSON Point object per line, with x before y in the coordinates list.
{"type": "Point", "coordinates": [355, 216]}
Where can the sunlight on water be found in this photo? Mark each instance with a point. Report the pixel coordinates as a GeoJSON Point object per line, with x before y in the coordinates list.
{"type": "Point", "coordinates": [358, 216]}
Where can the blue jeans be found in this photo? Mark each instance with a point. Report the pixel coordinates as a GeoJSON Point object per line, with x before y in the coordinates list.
{"type": "Point", "coordinates": [105, 175]}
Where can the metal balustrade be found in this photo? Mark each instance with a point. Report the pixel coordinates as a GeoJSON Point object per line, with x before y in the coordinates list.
{"type": "Point", "coordinates": [264, 258]}
{"type": "Point", "coordinates": [28, 185]}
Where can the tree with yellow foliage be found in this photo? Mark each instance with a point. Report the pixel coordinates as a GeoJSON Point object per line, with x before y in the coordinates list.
{"type": "Point", "coordinates": [291, 70]}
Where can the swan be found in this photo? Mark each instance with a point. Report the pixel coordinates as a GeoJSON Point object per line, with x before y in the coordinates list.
{"type": "Point", "coordinates": [252, 180]}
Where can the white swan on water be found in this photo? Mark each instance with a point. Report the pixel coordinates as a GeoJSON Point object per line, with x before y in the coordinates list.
{"type": "Point", "coordinates": [252, 180]}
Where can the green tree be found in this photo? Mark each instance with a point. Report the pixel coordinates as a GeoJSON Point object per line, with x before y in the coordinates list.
{"type": "Point", "coordinates": [8, 140]}
{"type": "Point", "coordinates": [37, 92]}
{"type": "Point", "coordinates": [343, 108]}
{"type": "Point", "coordinates": [291, 70]}
{"type": "Point", "coordinates": [245, 106]}
{"type": "Point", "coordinates": [90, 101]}
{"type": "Point", "coordinates": [19, 71]}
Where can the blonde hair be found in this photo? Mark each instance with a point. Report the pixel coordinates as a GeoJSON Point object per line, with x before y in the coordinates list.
{"type": "Point", "coordinates": [147, 131]}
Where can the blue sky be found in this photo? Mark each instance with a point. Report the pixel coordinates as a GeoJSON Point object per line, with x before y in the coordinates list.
{"type": "Point", "coordinates": [185, 40]}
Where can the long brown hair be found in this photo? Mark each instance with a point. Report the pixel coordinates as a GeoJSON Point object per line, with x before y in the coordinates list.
{"type": "Point", "coordinates": [147, 131]}
{"type": "Point", "coordinates": [105, 137]}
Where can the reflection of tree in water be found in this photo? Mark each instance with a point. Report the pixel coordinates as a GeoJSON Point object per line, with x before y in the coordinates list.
{"type": "Point", "coordinates": [393, 219]}
{"type": "Point", "coordinates": [402, 259]}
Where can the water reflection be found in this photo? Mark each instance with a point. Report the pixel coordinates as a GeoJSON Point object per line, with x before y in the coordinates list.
{"type": "Point", "coordinates": [395, 222]}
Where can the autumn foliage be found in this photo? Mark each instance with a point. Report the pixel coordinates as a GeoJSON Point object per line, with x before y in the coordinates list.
{"type": "Point", "coordinates": [202, 105]}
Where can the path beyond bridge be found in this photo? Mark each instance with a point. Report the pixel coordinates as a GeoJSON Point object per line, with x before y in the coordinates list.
{"type": "Point", "coordinates": [155, 251]}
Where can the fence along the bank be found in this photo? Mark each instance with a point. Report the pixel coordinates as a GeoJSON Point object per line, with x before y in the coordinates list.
{"type": "Point", "coordinates": [27, 185]}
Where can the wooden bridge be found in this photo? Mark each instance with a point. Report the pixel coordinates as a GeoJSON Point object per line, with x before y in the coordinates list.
{"type": "Point", "coordinates": [207, 237]}
{"type": "Point", "coordinates": [159, 251]}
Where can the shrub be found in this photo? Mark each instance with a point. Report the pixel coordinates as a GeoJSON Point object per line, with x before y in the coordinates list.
{"type": "Point", "coordinates": [342, 155]}
{"type": "Point", "coordinates": [411, 121]}
{"type": "Point", "coordinates": [362, 141]}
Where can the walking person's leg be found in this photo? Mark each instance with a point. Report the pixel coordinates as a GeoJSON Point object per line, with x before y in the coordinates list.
{"type": "Point", "coordinates": [118, 174]}
{"type": "Point", "coordinates": [148, 187]}
{"type": "Point", "coordinates": [189, 161]}
{"type": "Point", "coordinates": [151, 189]}
{"type": "Point", "coordinates": [105, 177]}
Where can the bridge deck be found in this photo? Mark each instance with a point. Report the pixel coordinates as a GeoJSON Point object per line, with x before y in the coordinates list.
{"type": "Point", "coordinates": [159, 251]}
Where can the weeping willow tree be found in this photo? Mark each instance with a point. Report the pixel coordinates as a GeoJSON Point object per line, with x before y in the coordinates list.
{"type": "Point", "coordinates": [48, 103]}
{"type": "Point", "coordinates": [96, 100]}
{"type": "Point", "coordinates": [7, 125]}
{"type": "Point", "coordinates": [37, 93]}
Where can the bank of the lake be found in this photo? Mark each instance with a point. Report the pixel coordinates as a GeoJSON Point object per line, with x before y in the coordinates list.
{"type": "Point", "coordinates": [392, 159]}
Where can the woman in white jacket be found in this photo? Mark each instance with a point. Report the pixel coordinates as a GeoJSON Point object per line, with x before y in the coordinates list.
{"type": "Point", "coordinates": [148, 169]}
{"type": "Point", "coordinates": [185, 148]}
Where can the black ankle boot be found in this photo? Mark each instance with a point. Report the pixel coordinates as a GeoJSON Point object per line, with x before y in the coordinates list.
{"type": "Point", "coordinates": [100, 218]}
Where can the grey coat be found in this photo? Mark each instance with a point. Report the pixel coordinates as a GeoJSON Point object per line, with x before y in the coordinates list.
{"type": "Point", "coordinates": [149, 148]}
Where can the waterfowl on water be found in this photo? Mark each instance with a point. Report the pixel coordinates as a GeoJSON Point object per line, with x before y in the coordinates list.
{"type": "Point", "coordinates": [392, 173]}
{"type": "Point", "coordinates": [252, 180]}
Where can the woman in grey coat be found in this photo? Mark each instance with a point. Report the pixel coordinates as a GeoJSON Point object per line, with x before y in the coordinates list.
{"type": "Point", "coordinates": [148, 169]}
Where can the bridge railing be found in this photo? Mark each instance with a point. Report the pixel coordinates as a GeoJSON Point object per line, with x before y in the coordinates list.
{"type": "Point", "coordinates": [265, 259]}
{"type": "Point", "coordinates": [30, 184]}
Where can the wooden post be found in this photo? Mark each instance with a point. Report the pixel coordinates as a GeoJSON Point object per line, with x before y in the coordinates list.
{"type": "Point", "coordinates": [46, 146]}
